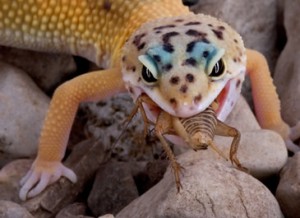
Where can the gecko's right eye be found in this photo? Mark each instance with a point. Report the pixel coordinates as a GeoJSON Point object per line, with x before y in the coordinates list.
{"type": "Point", "coordinates": [148, 76]}
{"type": "Point", "coordinates": [149, 70]}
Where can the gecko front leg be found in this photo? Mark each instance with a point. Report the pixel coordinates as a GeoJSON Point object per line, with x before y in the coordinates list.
{"type": "Point", "coordinates": [47, 168]}
{"type": "Point", "coordinates": [266, 101]}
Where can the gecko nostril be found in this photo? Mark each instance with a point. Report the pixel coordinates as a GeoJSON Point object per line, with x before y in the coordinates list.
{"type": "Point", "coordinates": [183, 88]}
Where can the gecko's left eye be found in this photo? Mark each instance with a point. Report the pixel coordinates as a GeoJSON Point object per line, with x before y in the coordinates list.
{"type": "Point", "coordinates": [148, 76]}
{"type": "Point", "coordinates": [218, 70]}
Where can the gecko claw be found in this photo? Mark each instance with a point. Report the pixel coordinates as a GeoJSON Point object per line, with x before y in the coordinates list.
{"type": "Point", "coordinates": [38, 178]}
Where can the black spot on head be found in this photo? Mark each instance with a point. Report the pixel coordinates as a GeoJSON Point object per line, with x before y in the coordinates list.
{"type": "Point", "coordinates": [197, 98]}
{"type": "Point", "coordinates": [168, 47]}
{"type": "Point", "coordinates": [157, 58]}
{"type": "Point", "coordinates": [205, 54]}
{"type": "Point", "coordinates": [137, 40]}
{"type": "Point", "coordinates": [234, 60]}
{"type": "Point", "coordinates": [190, 46]}
{"type": "Point", "coordinates": [141, 46]}
{"type": "Point", "coordinates": [183, 88]}
{"type": "Point", "coordinates": [164, 27]}
{"type": "Point", "coordinates": [205, 40]}
{"type": "Point", "coordinates": [167, 67]}
{"type": "Point", "coordinates": [195, 33]}
{"type": "Point", "coordinates": [107, 5]}
{"type": "Point", "coordinates": [190, 78]}
{"type": "Point", "coordinates": [235, 40]}
{"type": "Point", "coordinates": [192, 23]}
{"type": "Point", "coordinates": [190, 61]}
{"type": "Point", "coordinates": [174, 80]}
{"type": "Point", "coordinates": [218, 33]}
{"type": "Point", "coordinates": [210, 25]}
{"type": "Point", "coordinates": [221, 28]}
{"type": "Point", "coordinates": [166, 37]}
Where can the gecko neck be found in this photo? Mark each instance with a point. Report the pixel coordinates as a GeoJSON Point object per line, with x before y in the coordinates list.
{"type": "Point", "coordinates": [144, 11]}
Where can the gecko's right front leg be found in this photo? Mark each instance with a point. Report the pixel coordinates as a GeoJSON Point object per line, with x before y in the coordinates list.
{"type": "Point", "coordinates": [47, 168]}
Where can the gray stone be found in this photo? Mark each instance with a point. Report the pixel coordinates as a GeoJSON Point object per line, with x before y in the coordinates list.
{"type": "Point", "coordinates": [263, 152]}
{"type": "Point", "coordinates": [10, 176]}
{"type": "Point", "coordinates": [108, 120]}
{"type": "Point", "coordinates": [23, 108]}
{"type": "Point", "coordinates": [46, 69]}
{"type": "Point", "coordinates": [76, 210]}
{"type": "Point", "coordinates": [113, 189]}
{"type": "Point", "coordinates": [209, 189]}
{"type": "Point", "coordinates": [288, 190]}
{"type": "Point", "coordinates": [10, 209]}
{"type": "Point", "coordinates": [287, 74]}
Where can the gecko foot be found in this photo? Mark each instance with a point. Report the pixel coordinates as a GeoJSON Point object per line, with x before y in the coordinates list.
{"type": "Point", "coordinates": [41, 175]}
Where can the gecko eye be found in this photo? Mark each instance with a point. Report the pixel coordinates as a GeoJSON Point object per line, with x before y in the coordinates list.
{"type": "Point", "coordinates": [148, 76]}
{"type": "Point", "coordinates": [218, 70]}
{"type": "Point", "coordinates": [149, 70]}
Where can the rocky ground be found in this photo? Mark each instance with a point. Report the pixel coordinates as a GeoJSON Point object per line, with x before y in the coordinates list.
{"type": "Point", "coordinates": [129, 176]}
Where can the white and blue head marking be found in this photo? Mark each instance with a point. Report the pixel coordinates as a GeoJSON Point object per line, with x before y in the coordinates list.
{"type": "Point", "coordinates": [183, 63]}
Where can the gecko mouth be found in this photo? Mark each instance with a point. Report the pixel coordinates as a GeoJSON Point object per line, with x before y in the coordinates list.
{"type": "Point", "coordinates": [153, 111]}
{"type": "Point", "coordinates": [220, 100]}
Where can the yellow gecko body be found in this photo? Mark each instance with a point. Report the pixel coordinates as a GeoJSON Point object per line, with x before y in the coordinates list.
{"type": "Point", "coordinates": [182, 61]}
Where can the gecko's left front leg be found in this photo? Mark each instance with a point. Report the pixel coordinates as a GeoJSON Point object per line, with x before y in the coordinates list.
{"type": "Point", "coordinates": [47, 168]}
{"type": "Point", "coordinates": [266, 100]}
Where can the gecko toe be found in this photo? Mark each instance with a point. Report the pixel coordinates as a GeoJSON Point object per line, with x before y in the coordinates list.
{"type": "Point", "coordinates": [44, 180]}
{"type": "Point", "coordinates": [29, 183]}
{"type": "Point", "coordinates": [66, 172]}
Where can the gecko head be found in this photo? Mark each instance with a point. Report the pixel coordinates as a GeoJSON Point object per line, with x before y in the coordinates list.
{"type": "Point", "coordinates": [182, 63]}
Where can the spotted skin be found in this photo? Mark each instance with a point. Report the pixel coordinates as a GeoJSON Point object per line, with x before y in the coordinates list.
{"type": "Point", "coordinates": [183, 48]}
{"type": "Point", "coordinates": [184, 54]}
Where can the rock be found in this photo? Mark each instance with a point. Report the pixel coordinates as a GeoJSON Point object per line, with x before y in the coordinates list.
{"type": "Point", "coordinates": [46, 69]}
{"type": "Point", "coordinates": [76, 210]}
{"type": "Point", "coordinates": [263, 152]}
{"type": "Point", "coordinates": [210, 189]}
{"type": "Point", "coordinates": [148, 174]}
{"type": "Point", "coordinates": [288, 190]}
{"type": "Point", "coordinates": [10, 209]}
{"type": "Point", "coordinates": [84, 160]}
{"type": "Point", "coordinates": [23, 108]}
{"type": "Point", "coordinates": [107, 120]}
{"type": "Point", "coordinates": [113, 189]}
{"type": "Point", "coordinates": [242, 118]}
{"type": "Point", "coordinates": [107, 216]}
{"type": "Point", "coordinates": [10, 176]}
{"type": "Point", "coordinates": [287, 74]}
